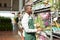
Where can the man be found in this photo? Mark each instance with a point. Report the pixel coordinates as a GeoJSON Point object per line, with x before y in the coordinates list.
{"type": "Point", "coordinates": [28, 24]}
{"type": "Point", "coordinates": [17, 20]}
{"type": "Point", "coordinates": [19, 26]}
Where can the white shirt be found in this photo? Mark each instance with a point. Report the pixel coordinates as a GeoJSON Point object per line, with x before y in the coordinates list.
{"type": "Point", "coordinates": [25, 20]}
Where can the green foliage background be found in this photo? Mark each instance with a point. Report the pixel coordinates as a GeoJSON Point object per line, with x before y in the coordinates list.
{"type": "Point", "coordinates": [5, 24]}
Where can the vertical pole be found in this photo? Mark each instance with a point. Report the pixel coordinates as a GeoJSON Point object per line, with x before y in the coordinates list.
{"type": "Point", "coordinates": [58, 8]}
{"type": "Point", "coordinates": [11, 4]}
{"type": "Point", "coordinates": [51, 36]}
{"type": "Point", "coordinates": [20, 5]}
{"type": "Point", "coordinates": [11, 12]}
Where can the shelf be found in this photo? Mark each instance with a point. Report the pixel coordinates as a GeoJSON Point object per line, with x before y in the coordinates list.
{"type": "Point", "coordinates": [58, 16]}
{"type": "Point", "coordinates": [42, 10]}
{"type": "Point", "coordinates": [57, 35]}
{"type": "Point", "coordinates": [38, 7]}
{"type": "Point", "coordinates": [37, 2]}
{"type": "Point", "coordinates": [59, 13]}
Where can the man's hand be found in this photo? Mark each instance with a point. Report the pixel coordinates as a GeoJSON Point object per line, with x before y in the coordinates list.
{"type": "Point", "coordinates": [37, 25]}
{"type": "Point", "coordinates": [39, 29]}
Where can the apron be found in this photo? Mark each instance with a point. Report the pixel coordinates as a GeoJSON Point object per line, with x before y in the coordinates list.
{"type": "Point", "coordinates": [30, 36]}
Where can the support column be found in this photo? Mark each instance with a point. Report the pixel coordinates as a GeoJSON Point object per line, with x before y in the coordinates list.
{"type": "Point", "coordinates": [20, 5]}
{"type": "Point", "coordinates": [11, 4]}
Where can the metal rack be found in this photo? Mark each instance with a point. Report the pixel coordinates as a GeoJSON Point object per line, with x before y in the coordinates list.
{"type": "Point", "coordinates": [45, 10]}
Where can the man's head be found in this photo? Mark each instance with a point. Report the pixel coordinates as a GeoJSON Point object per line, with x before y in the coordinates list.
{"type": "Point", "coordinates": [18, 14]}
{"type": "Point", "coordinates": [28, 9]}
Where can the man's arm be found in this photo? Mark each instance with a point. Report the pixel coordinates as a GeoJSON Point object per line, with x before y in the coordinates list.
{"type": "Point", "coordinates": [25, 25]}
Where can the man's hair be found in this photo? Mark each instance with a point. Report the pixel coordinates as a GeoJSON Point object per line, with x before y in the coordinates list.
{"type": "Point", "coordinates": [18, 12]}
{"type": "Point", "coordinates": [25, 7]}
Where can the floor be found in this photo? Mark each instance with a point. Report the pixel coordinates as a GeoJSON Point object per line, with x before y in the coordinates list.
{"type": "Point", "coordinates": [8, 35]}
